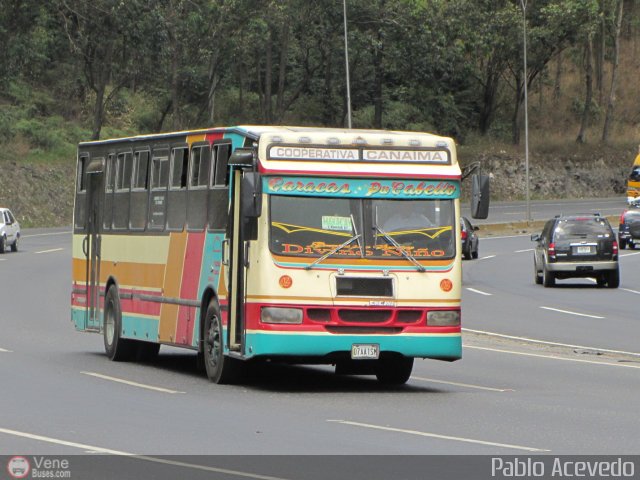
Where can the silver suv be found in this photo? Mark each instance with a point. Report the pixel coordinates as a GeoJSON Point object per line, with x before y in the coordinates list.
{"type": "Point", "coordinates": [9, 231]}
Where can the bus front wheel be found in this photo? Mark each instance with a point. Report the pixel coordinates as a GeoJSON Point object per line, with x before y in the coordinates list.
{"type": "Point", "coordinates": [219, 367]}
{"type": "Point", "coordinates": [116, 347]}
{"type": "Point", "coordinates": [394, 370]}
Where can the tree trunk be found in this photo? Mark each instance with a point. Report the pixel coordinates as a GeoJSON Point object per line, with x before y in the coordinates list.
{"type": "Point", "coordinates": [600, 57]}
{"type": "Point", "coordinates": [378, 80]}
{"type": "Point", "coordinates": [557, 87]}
{"type": "Point", "coordinates": [614, 76]}
{"type": "Point", "coordinates": [282, 70]}
{"type": "Point", "coordinates": [98, 111]}
{"type": "Point", "coordinates": [268, 116]}
{"type": "Point", "coordinates": [214, 81]}
{"type": "Point", "coordinates": [515, 120]}
{"type": "Point", "coordinates": [588, 70]}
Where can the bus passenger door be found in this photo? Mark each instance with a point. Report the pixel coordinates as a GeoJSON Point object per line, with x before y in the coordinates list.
{"type": "Point", "coordinates": [245, 202]}
{"type": "Point", "coordinates": [91, 243]}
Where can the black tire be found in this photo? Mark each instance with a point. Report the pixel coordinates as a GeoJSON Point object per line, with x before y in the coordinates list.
{"type": "Point", "coordinates": [467, 252]}
{"type": "Point", "coordinates": [219, 367]}
{"type": "Point", "coordinates": [601, 281]}
{"type": "Point", "coordinates": [474, 254]}
{"type": "Point", "coordinates": [622, 244]}
{"type": "Point", "coordinates": [117, 348]}
{"type": "Point", "coordinates": [613, 278]}
{"type": "Point", "coordinates": [394, 370]}
{"type": "Point", "coordinates": [14, 247]}
{"type": "Point", "coordinates": [632, 245]}
{"type": "Point", "coordinates": [3, 242]}
{"type": "Point", "coordinates": [548, 277]}
{"type": "Point", "coordinates": [537, 278]}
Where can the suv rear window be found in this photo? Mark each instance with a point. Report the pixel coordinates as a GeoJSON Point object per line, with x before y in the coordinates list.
{"type": "Point", "coordinates": [582, 228]}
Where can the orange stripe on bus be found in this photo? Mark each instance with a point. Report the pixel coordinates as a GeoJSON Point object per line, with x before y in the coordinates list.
{"type": "Point", "coordinates": [139, 275]}
{"type": "Point", "coordinates": [172, 283]}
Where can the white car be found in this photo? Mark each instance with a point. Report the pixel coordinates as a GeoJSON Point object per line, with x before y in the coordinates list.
{"type": "Point", "coordinates": [9, 231]}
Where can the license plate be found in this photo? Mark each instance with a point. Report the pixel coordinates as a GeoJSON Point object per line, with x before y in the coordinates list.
{"type": "Point", "coordinates": [365, 351]}
{"type": "Point", "coordinates": [583, 250]}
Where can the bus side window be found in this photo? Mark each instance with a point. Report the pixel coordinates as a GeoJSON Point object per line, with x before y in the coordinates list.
{"type": "Point", "coordinates": [109, 187]}
{"type": "Point", "coordinates": [218, 193]}
{"type": "Point", "coordinates": [81, 192]}
{"type": "Point", "coordinates": [121, 196]}
{"type": "Point", "coordinates": [82, 173]}
{"type": "Point", "coordinates": [198, 179]}
{"type": "Point", "coordinates": [159, 183]}
{"type": "Point", "coordinates": [141, 170]}
{"type": "Point", "coordinates": [179, 168]}
{"type": "Point", "coordinates": [177, 196]}
{"type": "Point", "coordinates": [221, 154]}
{"type": "Point", "coordinates": [139, 190]}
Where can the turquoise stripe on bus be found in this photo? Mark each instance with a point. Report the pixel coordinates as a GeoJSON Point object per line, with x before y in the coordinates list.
{"type": "Point", "coordinates": [140, 328]}
{"type": "Point", "coordinates": [428, 346]}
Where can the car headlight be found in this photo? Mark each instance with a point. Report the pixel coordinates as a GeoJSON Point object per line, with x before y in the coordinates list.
{"type": "Point", "coordinates": [281, 315]}
{"type": "Point", "coordinates": [443, 318]}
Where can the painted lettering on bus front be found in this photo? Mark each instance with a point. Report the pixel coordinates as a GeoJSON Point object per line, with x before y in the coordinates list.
{"type": "Point", "coordinates": [361, 188]}
{"type": "Point", "coordinates": [320, 248]}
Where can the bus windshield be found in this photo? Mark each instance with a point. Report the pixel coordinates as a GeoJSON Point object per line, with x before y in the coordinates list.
{"type": "Point", "coordinates": [381, 228]}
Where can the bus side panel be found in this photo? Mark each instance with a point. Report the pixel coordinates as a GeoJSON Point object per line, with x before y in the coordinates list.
{"type": "Point", "coordinates": [191, 271]}
{"type": "Point", "coordinates": [210, 276]}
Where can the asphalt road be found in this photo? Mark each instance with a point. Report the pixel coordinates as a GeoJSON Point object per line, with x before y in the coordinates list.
{"type": "Point", "coordinates": [59, 394]}
{"type": "Point", "coordinates": [505, 212]}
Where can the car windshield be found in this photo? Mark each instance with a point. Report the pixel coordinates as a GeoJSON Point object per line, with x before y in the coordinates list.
{"type": "Point", "coordinates": [632, 216]}
{"type": "Point", "coordinates": [316, 226]}
{"type": "Point", "coordinates": [582, 228]}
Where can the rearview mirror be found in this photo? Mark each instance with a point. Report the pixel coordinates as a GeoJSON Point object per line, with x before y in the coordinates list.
{"type": "Point", "coordinates": [480, 196]}
{"type": "Point", "coordinates": [251, 195]}
{"type": "Point", "coordinates": [535, 237]}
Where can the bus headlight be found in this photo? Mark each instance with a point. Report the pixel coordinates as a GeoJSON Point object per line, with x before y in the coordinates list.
{"type": "Point", "coordinates": [281, 315]}
{"type": "Point", "coordinates": [443, 318]}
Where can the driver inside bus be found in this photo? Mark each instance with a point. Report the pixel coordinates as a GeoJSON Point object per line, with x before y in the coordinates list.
{"type": "Point", "coordinates": [406, 217]}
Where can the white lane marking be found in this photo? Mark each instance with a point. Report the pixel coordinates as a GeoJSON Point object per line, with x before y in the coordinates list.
{"type": "Point", "coordinates": [630, 291]}
{"type": "Point", "coordinates": [553, 357]}
{"type": "Point", "coordinates": [128, 382]}
{"type": "Point", "coordinates": [544, 342]}
{"type": "Point", "coordinates": [436, 435]}
{"type": "Point", "coordinates": [50, 251]}
{"type": "Point", "coordinates": [629, 254]}
{"type": "Point", "coordinates": [487, 257]}
{"type": "Point", "coordinates": [466, 385]}
{"type": "Point", "coordinates": [5, 351]}
{"type": "Point", "coordinates": [46, 234]}
{"type": "Point", "coordinates": [474, 290]}
{"type": "Point", "coordinates": [525, 250]}
{"type": "Point", "coordinates": [93, 449]}
{"type": "Point", "coordinates": [572, 313]}
{"type": "Point", "coordinates": [505, 236]}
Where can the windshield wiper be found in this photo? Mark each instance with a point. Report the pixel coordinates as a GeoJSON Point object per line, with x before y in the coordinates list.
{"type": "Point", "coordinates": [355, 237]}
{"type": "Point", "coordinates": [391, 240]}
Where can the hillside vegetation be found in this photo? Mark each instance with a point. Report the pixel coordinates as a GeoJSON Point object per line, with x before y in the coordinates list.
{"type": "Point", "coordinates": [73, 71]}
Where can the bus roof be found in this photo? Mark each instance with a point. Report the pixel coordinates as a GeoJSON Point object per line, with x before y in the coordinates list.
{"type": "Point", "coordinates": [315, 134]}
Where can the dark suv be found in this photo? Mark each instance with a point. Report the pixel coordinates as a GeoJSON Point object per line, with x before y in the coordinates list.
{"type": "Point", "coordinates": [629, 228]}
{"type": "Point", "coordinates": [582, 246]}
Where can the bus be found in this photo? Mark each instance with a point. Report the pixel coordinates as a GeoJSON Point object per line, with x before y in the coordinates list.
{"type": "Point", "coordinates": [282, 244]}
{"type": "Point", "coordinates": [633, 183]}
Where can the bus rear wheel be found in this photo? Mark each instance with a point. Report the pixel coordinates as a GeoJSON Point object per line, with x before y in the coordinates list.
{"type": "Point", "coordinates": [117, 348]}
{"type": "Point", "coordinates": [219, 367]}
{"type": "Point", "coordinates": [394, 370]}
